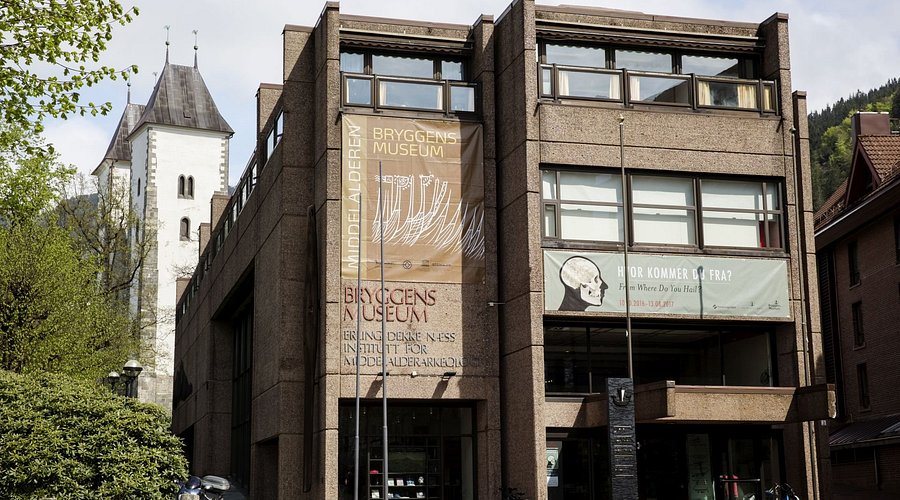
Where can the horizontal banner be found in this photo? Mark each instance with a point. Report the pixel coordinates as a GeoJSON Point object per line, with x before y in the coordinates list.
{"type": "Point", "coordinates": [663, 285]}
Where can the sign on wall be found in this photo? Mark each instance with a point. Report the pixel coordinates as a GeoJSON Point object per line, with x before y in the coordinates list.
{"type": "Point", "coordinates": [691, 285]}
{"type": "Point", "coordinates": [432, 215]}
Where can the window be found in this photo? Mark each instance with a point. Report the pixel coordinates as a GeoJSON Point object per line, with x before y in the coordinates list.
{"type": "Point", "coordinates": [185, 229]}
{"type": "Point", "coordinates": [241, 395]}
{"type": "Point", "coordinates": [661, 77]}
{"type": "Point", "coordinates": [853, 262]}
{"type": "Point", "coordinates": [435, 83]}
{"type": "Point", "coordinates": [275, 134]}
{"type": "Point", "coordinates": [663, 210]}
{"type": "Point", "coordinates": [190, 188]}
{"type": "Point", "coordinates": [741, 214]}
{"type": "Point", "coordinates": [582, 205]}
{"type": "Point", "coordinates": [859, 337]}
{"type": "Point", "coordinates": [139, 187]}
{"type": "Point", "coordinates": [181, 184]}
{"type": "Point", "coordinates": [586, 205]}
{"type": "Point", "coordinates": [862, 378]}
{"type": "Point", "coordinates": [579, 359]}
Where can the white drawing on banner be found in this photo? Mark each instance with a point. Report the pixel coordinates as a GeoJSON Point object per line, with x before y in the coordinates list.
{"type": "Point", "coordinates": [584, 287]}
{"type": "Point", "coordinates": [424, 213]}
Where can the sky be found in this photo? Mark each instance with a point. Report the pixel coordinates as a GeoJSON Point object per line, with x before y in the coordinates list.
{"type": "Point", "coordinates": [837, 48]}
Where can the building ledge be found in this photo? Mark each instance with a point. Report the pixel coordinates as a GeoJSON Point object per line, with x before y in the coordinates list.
{"type": "Point", "coordinates": [666, 402]}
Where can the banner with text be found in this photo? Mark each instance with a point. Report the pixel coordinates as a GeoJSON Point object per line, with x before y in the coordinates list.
{"type": "Point", "coordinates": [691, 285]}
{"type": "Point", "coordinates": [432, 215]}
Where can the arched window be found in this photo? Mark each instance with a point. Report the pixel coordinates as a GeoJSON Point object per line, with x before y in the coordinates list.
{"type": "Point", "coordinates": [181, 186]}
{"type": "Point", "coordinates": [185, 229]}
{"type": "Point", "coordinates": [139, 187]}
{"type": "Point", "coordinates": [190, 187]}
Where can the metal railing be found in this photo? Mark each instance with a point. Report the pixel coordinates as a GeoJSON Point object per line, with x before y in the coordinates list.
{"type": "Point", "coordinates": [418, 94]}
{"type": "Point", "coordinates": [623, 86]}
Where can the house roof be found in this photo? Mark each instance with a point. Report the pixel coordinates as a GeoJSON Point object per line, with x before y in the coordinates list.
{"type": "Point", "coordinates": [119, 148]}
{"type": "Point", "coordinates": [182, 99]}
{"type": "Point", "coordinates": [867, 430]}
{"type": "Point", "coordinates": [876, 157]}
{"type": "Point", "coordinates": [883, 153]}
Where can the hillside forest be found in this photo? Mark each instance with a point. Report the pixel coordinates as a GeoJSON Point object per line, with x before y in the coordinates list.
{"type": "Point", "coordinates": [831, 137]}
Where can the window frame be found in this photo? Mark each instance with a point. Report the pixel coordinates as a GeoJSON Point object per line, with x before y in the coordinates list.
{"type": "Point", "coordinates": [853, 262]}
{"type": "Point", "coordinates": [699, 236]}
{"type": "Point", "coordinates": [748, 74]}
{"type": "Point", "coordinates": [181, 186]}
{"type": "Point", "coordinates": [446, 84]}
{"type": "Point", "coordinates": [862, 383]}
{"type": "Point", "coordinates": [184, 229]}
{"type": "Point", "coordinates": [856, 317]}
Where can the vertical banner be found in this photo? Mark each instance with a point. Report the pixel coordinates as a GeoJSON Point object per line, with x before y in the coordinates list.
{"type": "Point", "coordinates": [433, 207]}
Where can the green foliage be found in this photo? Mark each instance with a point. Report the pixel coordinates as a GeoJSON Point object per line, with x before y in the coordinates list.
{"type": "Point", "coordinates": [53, 313]}
{"type": "Point", "coordinates": [895, 106]}
{"type": "Point", "coordinates": [49, 51]}
{"type": "Point", "coordinates": [30, 177]}
{"type": "Point", "coordinates": [830, 137]}
{"type": "Point", "coordinates": [61, 438]}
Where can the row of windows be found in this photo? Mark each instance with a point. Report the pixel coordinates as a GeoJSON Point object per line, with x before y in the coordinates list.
{"type": "Point", "coordinates": [434, 83]}
{"type": "Point", "coordinates": [662, 210]}
{"type": "Point", "coordinates": [674, 78]}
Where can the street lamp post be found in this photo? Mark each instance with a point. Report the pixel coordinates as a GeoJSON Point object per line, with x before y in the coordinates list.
{"type": "Point", "coordinates": [131, 371]}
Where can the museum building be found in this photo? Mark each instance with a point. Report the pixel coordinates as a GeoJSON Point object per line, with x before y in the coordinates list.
{"type": "Point", "coordinates": [554, 199]}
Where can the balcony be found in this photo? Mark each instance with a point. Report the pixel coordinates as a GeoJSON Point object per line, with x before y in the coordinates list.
{"type": "Point", "coordinates": [417, 94]}
{"type": "Point", "coordinates": [665, 401]}
{"type": "Point", "coordinates": [690, 91]}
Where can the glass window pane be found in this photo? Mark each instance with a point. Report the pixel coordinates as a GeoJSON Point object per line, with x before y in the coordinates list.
{"type": "Point", "coordinates": [711, 66]}
{"type": "Point", "coordinates": [352, 63]}
{"type": "Point", "coordinates": [644, 61]}
{"type": "Point", "coordinates": [662, 190]}
{"type": "Point", "coordinates": [546, 76]}
{"type": "Point", "coordinates": [584, 84]}
{"type": "Point", "coordinates": [772, 199]}
{"type": "Point", "coordinates": [733, 95]}
{"type": "Point", "coordinates": [659, 89]}
{"type": "Point", "coordinates": [462, 98]}
{"type": "Point", "coordinates": [664, 226]}
{"type": "Point", "coordinates": [731, 194]}
{"type": "Point", "coordinates": [773, 238]}
{"type": "Point", "coordinates": [451, 70]}
{"type": "Point", "coordinates": [411, 95]}
{"type": "Point", "coordinates": [732, 229]}
{"type": "Point", "coordinates": [567, 55]}
{"type": "Point", "coordinates": [359, 91]}
{"type": "Point", "coordinates": [591, 222]}
{"type": "Point", "coordinates": [768, 100]}
{"type": "Point", "coordinates": [414, 67]}
{"type": "Point", "coordinates": [550, 221]}
{"type": "Point", "coordinates": [548, 184]}
{"type": "Point", "coordinates": [590, 186]}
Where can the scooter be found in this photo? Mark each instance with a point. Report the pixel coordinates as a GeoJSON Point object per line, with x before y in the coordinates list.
{"type": "Point", "coordinates": [205, 488]}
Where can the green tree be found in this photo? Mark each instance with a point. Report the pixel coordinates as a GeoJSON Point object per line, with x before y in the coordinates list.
{"type": "Point", "coordinates": [53, 314]}
{"type": "Point", "coordinates": [30, 177]}
{"type": "Point", "coordinates": [895, 106]}
{"type": "Point", "coordinates": [50, 50]}
{"type": "Point", "coordinates": [61, 438]}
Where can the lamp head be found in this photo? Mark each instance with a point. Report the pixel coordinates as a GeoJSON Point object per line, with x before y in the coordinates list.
{"type": "Point", "coordinates": [132, 368]}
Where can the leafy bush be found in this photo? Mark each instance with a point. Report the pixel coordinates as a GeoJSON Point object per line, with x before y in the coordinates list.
{"type": "Point", "coordinates": [72, 440]}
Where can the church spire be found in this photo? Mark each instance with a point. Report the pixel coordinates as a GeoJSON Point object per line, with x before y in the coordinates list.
{"type": "Point", "coordinates": [167, 43]}
{"type": "Point", "coordinates": [195, 49]}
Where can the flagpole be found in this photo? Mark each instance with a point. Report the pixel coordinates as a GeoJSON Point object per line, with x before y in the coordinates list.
{"type": "Point", "coordinates": [358, 326]}
{"type": "Point", "coordinates": [384, 384]}
{"type": "Point", "coordinates": [627, 236]}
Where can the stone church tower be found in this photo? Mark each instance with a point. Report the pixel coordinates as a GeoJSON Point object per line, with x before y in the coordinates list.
{"type": "Point", "coordinates": [172, 156]}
